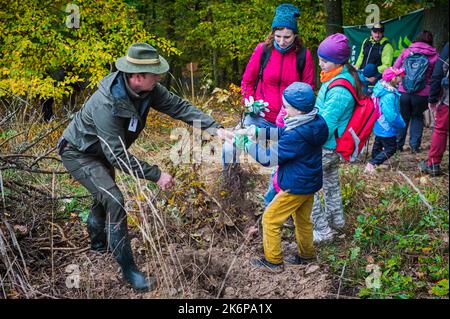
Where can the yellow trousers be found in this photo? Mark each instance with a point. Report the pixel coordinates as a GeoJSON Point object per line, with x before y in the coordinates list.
{"type": "Point", "coordinates": [276, 214]}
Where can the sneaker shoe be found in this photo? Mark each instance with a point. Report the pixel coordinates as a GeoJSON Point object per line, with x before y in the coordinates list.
{"type": "Point", "coordinates": [264, 264]}
{"type": "Point", "coordinates": [370, 169]}
{"type": "Point", "coordinates": [433, 170]}
{"type": "Point", "coordinates": [323, 236]}
{"type": "Point", "coordinates": [297, 260]}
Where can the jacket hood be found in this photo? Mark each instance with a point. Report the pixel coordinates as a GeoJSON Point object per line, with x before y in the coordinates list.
{"type": "Point", "coordinates": [112, 87]}
{"type": "Point", "coordinates": [317, 132]}
{"type": "Point", "coordinates": [382, 88]}
{"type": "Point", "coordinates": [422, 47]}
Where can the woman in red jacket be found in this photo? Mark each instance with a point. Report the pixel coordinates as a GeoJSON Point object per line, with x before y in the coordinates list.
{"type": "Point", "coordinates": [282, 47]}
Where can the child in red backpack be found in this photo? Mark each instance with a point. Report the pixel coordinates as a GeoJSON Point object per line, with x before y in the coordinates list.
{"type": "Point", "coordinates": [390, 120]}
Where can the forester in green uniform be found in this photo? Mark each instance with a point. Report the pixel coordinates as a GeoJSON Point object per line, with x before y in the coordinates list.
{"type": "Point", "coordinates": [96, 142]}
{"type": "Point", "coordinates": [377, 50]}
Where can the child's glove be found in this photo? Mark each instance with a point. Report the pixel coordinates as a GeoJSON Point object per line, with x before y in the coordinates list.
{"type": "Point", "coordinates": [255, 108]}
{"type": "Point", "coordinates": [242, 142]}
{"type": "Point", "coordinates": [252, 132]}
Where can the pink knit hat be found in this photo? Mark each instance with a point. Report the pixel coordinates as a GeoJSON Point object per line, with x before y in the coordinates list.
{"type": "Point", "coordinates": [392, 72]}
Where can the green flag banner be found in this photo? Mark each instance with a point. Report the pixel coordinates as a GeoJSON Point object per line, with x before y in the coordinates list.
{"type": "Point", "coordinates": [401, 32]}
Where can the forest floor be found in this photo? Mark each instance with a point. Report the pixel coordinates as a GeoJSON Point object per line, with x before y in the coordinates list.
{"type": "Point", "coordinates": [194, 240]}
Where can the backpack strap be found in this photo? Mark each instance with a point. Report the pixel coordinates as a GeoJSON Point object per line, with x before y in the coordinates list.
{"type": "Point", "coordinates": [265, 55]}
{"type": "Point", "coordinates": [346, 84]}
{"type": "Point", "coordinates": [301, 60]}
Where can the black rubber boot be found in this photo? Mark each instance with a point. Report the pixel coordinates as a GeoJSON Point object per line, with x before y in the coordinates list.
{"type": "Point", "coordinates": [119, 244]}
{"type": "Point", "coordinates": [96, 228]}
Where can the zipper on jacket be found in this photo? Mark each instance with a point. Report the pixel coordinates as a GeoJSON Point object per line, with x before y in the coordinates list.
{"type": "Point", "coordinates": [281, 76]}
{"type": "Point", "coordinates": [368, 54]}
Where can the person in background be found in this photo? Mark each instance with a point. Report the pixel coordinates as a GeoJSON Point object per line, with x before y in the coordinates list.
{"type": "Point", "coordinates": [368, 77]}
{"type": "Point", "coordinates": [438, 103]}
{"type": "Point", "coordinates": [390, 120]}
{"type": "Point", "coordinates": [263, 92]}
{"type": "Point", "coordinates": [376, 50]}
{"type": "Point", "coordinates": [415, 87]}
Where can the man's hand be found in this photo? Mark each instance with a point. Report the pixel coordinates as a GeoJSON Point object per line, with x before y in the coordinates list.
{"type": "Point", "coordinates": [223, 134]}
{"type": "Point", "coordinates": [165, 181]}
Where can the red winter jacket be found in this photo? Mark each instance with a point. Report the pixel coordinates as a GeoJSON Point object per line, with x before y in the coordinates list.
{"type": "Point", "coordinates": [279, 73]}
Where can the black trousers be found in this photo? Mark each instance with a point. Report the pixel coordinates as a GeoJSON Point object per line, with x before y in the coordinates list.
{"type": "Point", "coordinates": [383, 148]}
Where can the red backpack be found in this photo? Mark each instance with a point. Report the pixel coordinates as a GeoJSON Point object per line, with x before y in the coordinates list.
{"type": "Point", "coordinates": [360, 126]}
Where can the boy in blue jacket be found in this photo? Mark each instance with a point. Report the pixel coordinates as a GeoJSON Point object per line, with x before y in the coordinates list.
{"type": "Point", "coordinates": [369, 77]}
{"type": "Point", "coordinates": [390, 120]}
{"type": "Point", "coordinates": [298, 155]}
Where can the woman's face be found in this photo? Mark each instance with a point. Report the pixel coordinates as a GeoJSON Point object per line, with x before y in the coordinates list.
{"type": "Point", "coordinates": [326, 65]}
{"type": "Point", "coordinates": [284, 38]}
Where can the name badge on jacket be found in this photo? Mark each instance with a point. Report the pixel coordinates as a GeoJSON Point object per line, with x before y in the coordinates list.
{"type": "Point", "coordinates": [133, 124]}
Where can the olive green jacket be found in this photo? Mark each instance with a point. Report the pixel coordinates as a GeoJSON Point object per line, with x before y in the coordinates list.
{"type": "Point", "coordinates": [103, 123]}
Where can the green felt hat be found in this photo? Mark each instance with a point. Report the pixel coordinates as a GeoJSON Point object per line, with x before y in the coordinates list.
{"type": "Point", "coordinates": [142, 58]}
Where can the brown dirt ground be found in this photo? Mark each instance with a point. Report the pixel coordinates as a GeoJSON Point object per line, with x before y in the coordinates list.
{"type": "Point", "coordinates": [221, 266]}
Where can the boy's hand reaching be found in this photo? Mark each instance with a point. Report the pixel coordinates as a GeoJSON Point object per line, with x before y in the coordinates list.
{"type": "Point", "coordinates": [252, 132]}
{"type": "Point", "coordinates": [242, 142]}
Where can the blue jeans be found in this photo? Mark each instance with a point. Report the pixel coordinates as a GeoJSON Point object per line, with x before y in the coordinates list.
{"type": "Point", "coordinates": [230, 154]}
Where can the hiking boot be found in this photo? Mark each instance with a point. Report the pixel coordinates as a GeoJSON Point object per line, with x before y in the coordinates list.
{"type": "Point", "coordinates": [264, 264]}
{"type": "Point", "coordinates": [433, 170]}
{"type": "Point", "coordinates": [119, 244]}
{"type": "Point", "coordinates": [297, 260]}
{"type": "Point", "coordinates": [323, 236]}
{"type": "Point", "coordinates": [415, 150]}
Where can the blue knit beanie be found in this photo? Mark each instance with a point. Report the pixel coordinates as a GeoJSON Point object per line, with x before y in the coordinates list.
{"type": "Point", "coordinates": [286, 15]}
{"type": "Point", "coordinates": [370, 70]}
{"type": "Point", "coordinates": [300, 95]}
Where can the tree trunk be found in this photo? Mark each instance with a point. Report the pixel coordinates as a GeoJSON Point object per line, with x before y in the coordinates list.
{"type": "Point", "coordinates": [436, 21]}
{"type": "Point", "coordinates": [333, 19]}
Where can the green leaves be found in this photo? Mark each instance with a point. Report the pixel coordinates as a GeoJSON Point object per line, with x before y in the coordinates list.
{"type": "Point", "coordinates": [441, 288]}
{"type": "Point", "coordinates": [35, 42]}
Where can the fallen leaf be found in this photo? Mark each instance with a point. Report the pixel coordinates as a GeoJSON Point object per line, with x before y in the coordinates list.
{"type": "Point", "coordinates": [312, 269]}
{"type": "Point", "coordinates": [21, 229]}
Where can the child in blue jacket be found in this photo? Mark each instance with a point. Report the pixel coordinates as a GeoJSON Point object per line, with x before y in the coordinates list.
{"type": "Point", "coordinates": [298, 155]}
{"type": "Point", "coordinates": [369, 77]}
{"type": "Point", "coordinates": [390, 120]}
